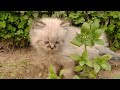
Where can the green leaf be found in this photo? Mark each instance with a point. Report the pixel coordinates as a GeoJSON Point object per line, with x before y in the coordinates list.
{"type": "Point", "coordinates": [20, 25]}
{"type": "Point", "coordinates": [99, 41]}
{"type": "Point", "coordinates": [81, 63]}
{"type": "Point", "coordinates": [106, 57]}
{"type": "Point", "coordinates": [2, 24]}
{"type": "Point", "coordinates": [9, 27]}
{"type": "Point", "coordinates": [91, 12]}
{"type": "Point", "coordinates": [19, 32]}
{"type": "Point", "coordinates": [92, 74]}
{"type": "Point", "coordinates": [97, 33]}
{"type": "Point", "coordinates": [109, 67]}
{"type": "Point", "coordinates": [79, 68]}
{"type": "Point", "coordinates": [85, 27]}
{"type": "Point", "coordinates": [76, 41]}
{"type": "Point", "coordinates": [7, 36]}
{"type": "Point", "coordinates": [84, 75]}
{"type": "Point", "coordinates": [105, 27]}
{"type": "Point", "coordinates": [52, 71]}
{"type": "Point", "coordinates": [95, 25]}
{"type": "Point", "coordinates": [76, 77]}
{"type": "Point", "coordinates": [106, 66]}
{"type": "Point", "coordinates": [84, 55]}
{"type": "Point", "coordinates": [26, 17]}
{"type": "Point", "coordinates": [96, 67]}
{"type": "Point", "coordinates": [118, 35]}
{"type": "Point", "coordinates": [29, 21]}
{"type": "Point", "coordinates": [89, 63]}
{"type": "Point", "coordinates": [52, 76]}
{"type": "Point", "coordinates": [80, 20]}
{"type": "Point", "coordinates": [111, 27]}
{"type": "Point", "coordinates": [61, 73]}
{"type": "Point", "coordinates": [11, 19]}
{"type": "Point", "coordinates": [88, 42]}
{"type": "Point", "coordinates": [75, 57]}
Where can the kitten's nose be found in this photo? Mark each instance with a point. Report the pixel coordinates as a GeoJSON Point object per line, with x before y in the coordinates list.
{"type": "Point", "coordinates": [51, 46]}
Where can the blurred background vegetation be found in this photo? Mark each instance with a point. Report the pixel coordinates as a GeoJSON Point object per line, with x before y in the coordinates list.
{"type": "Point", "coordinates": [15, 25]}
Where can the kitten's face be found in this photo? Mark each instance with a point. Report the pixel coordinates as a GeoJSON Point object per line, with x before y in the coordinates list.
{"type": "Point", "coordinates": [49, 34]}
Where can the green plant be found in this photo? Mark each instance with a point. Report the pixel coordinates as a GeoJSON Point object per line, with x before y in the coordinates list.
{"type": "Point", "coordinates": [53, 75]}
{"type": "Point", "coordinates": [109, 21]}
{"type": "Point", "coordinates": [15, 25]}
{"type": "Point", "coordinates": [89, 36]}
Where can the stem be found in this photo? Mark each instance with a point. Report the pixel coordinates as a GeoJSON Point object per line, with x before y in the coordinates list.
{"type": "Point", "coordinates": [85, 48]}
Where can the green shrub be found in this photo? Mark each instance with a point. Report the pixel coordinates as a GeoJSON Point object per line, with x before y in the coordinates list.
{"type": "Point", "coordinates": [15, 25]}
{"type": "Point", "coordinates": [109, 20]}
{"type": "Point", "coordinates": [89, 36]}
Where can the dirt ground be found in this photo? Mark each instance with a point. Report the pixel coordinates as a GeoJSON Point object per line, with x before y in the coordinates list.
{"type": "Point", "coordinates": [20, 64]}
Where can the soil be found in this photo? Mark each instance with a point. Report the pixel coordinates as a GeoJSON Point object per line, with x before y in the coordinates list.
{"type": "Point", "coordinates": [21, 64]}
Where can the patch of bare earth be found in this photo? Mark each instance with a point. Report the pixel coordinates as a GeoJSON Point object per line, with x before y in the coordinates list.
{"type": "Point", "coordinates": [23, 64]}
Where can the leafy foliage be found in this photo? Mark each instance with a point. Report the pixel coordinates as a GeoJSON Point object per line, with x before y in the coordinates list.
{"type": "Point", "coordinates": [89, 36]}
{"type": "Point", "coordinates": [53, 75]}
{"type": "Point", "coordinates": [109, 21]}
{"type": "Point", "coordinates": [15, 25]}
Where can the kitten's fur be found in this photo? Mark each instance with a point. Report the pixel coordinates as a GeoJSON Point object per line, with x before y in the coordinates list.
{"type": "Point", "coordinates": [51, 37]}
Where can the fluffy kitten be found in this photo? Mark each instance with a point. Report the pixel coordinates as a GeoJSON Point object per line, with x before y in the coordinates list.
{"type": "Point", "coordinates": [51, 38]}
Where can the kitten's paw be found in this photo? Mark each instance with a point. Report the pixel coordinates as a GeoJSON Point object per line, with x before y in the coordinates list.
{"type": "Point", "coordinates": [68, 74]}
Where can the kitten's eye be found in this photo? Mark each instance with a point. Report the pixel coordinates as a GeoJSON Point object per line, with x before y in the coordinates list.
{"type": "Point", "coordinates": [46, 42]}
{"type": "Point", "coordinates": [57, 42]}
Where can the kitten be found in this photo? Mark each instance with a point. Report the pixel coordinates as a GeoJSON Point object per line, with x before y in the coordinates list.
{"type": "Point", "coordinates": [51, 38]}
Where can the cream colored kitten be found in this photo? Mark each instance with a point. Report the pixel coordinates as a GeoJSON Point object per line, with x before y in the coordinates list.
{"type": "Point", "coordinates": [51, 38]}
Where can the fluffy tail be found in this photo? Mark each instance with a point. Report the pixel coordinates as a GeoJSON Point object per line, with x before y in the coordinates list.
{"type": "Point", "coordinates": [105, 50]}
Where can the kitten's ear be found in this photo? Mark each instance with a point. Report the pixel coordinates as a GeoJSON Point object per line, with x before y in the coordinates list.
{"type": "Point", "coordinates": [38, 24]}
{"type": "Point", "coordinates": [65, 24]}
